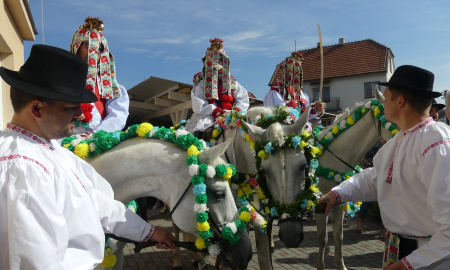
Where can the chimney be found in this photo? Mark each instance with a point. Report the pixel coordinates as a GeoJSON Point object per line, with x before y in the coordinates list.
{"type": "Point", "coordinates": [341, 41]}
{"type": "Point", "coordinates": [318, 44]}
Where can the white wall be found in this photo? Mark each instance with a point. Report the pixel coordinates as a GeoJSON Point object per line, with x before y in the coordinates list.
{"type": "Point", "coordinates": [350, 90]}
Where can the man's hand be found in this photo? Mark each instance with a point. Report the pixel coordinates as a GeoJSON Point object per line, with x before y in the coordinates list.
{"type": "Point", "coordinates": [330, 200]}
{"type": "Point", "coordinates": [396, 266]}
{"type": "Point", "coordinates": [164, 239]}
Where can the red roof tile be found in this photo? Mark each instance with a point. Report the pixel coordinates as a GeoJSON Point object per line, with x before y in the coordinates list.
{"type": "Point", "coordinates": [353, 58]}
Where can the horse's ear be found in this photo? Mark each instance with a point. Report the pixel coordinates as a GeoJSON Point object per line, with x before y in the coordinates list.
{"type": "Point", "coordinates": [257, 133]}
{"type": "Point", "coordinates": [298, 125]}
{"type": "Point", "coordinates": [210, 154]}
{"type": "Point", "coordinates": [379, 95]}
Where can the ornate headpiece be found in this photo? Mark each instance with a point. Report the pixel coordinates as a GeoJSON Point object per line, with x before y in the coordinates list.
{"type": "Point", "coordinates": [101, 64]}
{"type": "Point", "coordinates": [215, 60]}
{"type": "Point", "coordinates": [291, 80]}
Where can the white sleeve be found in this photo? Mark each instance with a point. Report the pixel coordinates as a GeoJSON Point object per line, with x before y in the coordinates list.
{"type": "Point", "coordinates": [433, 171]}
{"type": "Point", "coordinates": [273, 98]}
{"type": "Point", "coordinates": [360, 187]}
{"type": "Point", "coordinates": [116, 113]}
{"type": "Point", "coordinates": [199, 104]}
{"type": "Point", "coordinates": [35, 229]}
{"type": "Point", "coordinates": [241, 98]}
{"type": "Point", "coordinates": [114, 216]}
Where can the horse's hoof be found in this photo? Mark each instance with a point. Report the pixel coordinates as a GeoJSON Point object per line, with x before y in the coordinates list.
{"type": "Point", "coordinates": [177, 267]}
{"type": "Point", "coordinates": [199, 264]}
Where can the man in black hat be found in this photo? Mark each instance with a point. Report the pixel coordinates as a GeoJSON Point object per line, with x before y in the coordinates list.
{"type": "Point", "coordinates": [435, 108]}
{"type": "Point", "coordinates": [409, 178]}
{"type": "Point", "coordinates": [54, 207]}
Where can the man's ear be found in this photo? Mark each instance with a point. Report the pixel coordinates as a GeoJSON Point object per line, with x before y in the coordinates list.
{"type": "Point", "coordinates": [35, 108]}
{"type": "Point", "coordinates": [401, 102]}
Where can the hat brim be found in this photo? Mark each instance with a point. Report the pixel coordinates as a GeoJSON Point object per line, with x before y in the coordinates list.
{"type": "Point", "coordinates": [418, 91]}
{"type": "Point", "coordinates": [13, 79]}
{"type": "Point", "coordinates": [438, 106]}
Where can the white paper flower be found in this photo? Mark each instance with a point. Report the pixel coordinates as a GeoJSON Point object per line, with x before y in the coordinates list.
{"type": "Point", "coordinates": [180, 132]}
{"type": "Point", "coordinates": [342, 124]}
{"type": "Point", "coordinates": [75, 142]}
{"type": "Point", "coordinates": [152, 132]}
{"type": "Point", "coordinates": [90, 136]}
{"type": "Point", "coordinates": [285, 216]}
{"type": "Point", "coordinates": [200, 208]}
{"type": "Point", "coordinates": [337, 178]}
{"type": "Point", "coordinates": [257, 118]}
{"type": "Point", "coordinates": [388, 124]}
{"type": "Point", "coordinates": [287, 110]}
{"type": "Point", "coordinates": [288, 120]}
{"type": "Point", "coordinates": [232, 226]}
{"type": "Point", "coordinates": [367, 105]}
{"type": "Point", "coordinates": [210, 172]}
{"type": "Point", "coordinates": [234, 186]}
{"type": "Point", "coordinates": [193, 169]}
{"type": "Point", "coordinates": [214, 250]}
{"type": "Point", "coordinates": [92, 147]}
{"type": "Point", "coordinates": [258, 221]}
{"type": "Point", "coordinates": [266, 200]}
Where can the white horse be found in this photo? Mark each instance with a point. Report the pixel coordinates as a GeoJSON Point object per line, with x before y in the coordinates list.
{"type": "Point", "coordinates": [350, 146]}
{"type": "Point", "coordinates": [141, 167]}
{"type": "Point", "coordinates": [284, 170]}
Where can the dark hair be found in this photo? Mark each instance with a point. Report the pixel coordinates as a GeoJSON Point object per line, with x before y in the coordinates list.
{"type": "Point", "coordinates": [417, 102]}
{"type": "Point", "coordinates": [20, 99]}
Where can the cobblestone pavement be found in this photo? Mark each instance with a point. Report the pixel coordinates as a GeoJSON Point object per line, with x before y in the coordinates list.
{"type": "Point", "coordinates": [361, 251]}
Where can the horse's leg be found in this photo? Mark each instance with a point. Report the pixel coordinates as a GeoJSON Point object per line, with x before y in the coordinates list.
{"type": "Point", "coordinates": [338, 233]}
{"type": "Point", "coordinates": [322, 239]}
{"type": "Point", "coordinates": [119, 254]}
{"type": "Point", "coordinates": [176, 252]}
{"type": "Point", "coordinates": [263, 250]}
{"type": "Point", "coordinates": [197, 257]}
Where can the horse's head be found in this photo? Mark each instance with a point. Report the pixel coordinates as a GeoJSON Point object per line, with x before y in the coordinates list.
{"type": "Point", "coordinates": [284, 171]}
{"type": "Point", "coordinates": [223, 212]}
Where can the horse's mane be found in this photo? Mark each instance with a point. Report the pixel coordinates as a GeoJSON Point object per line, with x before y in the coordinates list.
{"type": "Point", "coordinates": [347, 112]}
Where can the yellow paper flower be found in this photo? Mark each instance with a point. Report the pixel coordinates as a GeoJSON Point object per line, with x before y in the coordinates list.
{"type": "Point", "coordinates": [358, 203]}
{"type": "Point", "coordinates": [252, 145]}
{"type": "Point", "coordinates": [316, 151]}
{"type": "Point", "coordinates": [193, 151]}
{"type": "Point", "coordinates": [363, 110]}
{"type": "Point", "coordinates": [345, 207]}
{"type": "Point", "coordinates": [67, 145]}
{"type": "Point", "coordinates": [82, 150]}
{"type": "Point", "coordinates": [172, 127]}
{"type": "Point", "coordinates": [267, 210]}
{"type": "Point", "coordinates": [325, 137]}
{"type": "Point", "coordinates": [332, 173]}
{"type": "Point", "coordinates": [335, 130]}
{"type": "Point", "coordinates": [305, 133]}
{"type": "Point", "coordinates": [376, 111]}
{"type": "Point", "coordinates": [262, 154]}
{"type": "Point", "coordinates": [264, 225]}
{"type": "Point", "coordinates": [310, 205]}
{"type": "Point", "coordinates": [228, 174]}
{"type": "Point", "coordinates": [314, 188]}
{"type": "Point", "coordinates": [394, 132]}
{"type": "Point", "coordinates": [303, 144]}
{"type": "Point", "coordinates": [245, 216]}
{"type": "Point", "coordinates": [109, 261]}
{"type": "Point", "coordinates": [203, 227]}
{"type": "Point", "coordinates": [248, 138]}
{"type": "Point", "coordinates": [216, 133]}
{"type": "Point", "coordinates": [108, 250]}
{"type": "Point", "coordinates": [240, 193]}
{"type": "Point", "coordinates": [143, 129]}
{"type": "Point", "coordinates": [252, 209]}
{"type": "Point", "coordinates": [350, 120]}
{"type": "Point", "coordinates": [200, 243]}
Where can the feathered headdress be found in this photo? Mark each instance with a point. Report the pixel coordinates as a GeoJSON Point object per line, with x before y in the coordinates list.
{"type": "Point", "coordinates": [101, 65]}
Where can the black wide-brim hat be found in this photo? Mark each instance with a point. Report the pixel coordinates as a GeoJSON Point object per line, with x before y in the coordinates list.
{"type": "Point", "coordinates": [53, 73]}
{"type": "Point", "coordinates": [414, 79]}
{"type": "Point", "coordinates": [437, 105]}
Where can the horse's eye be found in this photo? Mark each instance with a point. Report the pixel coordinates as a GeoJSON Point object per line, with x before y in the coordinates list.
{"type": "Point", "coordinates": [220, 194]}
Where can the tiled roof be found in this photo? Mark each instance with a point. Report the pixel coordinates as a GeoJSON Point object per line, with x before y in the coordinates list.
{"type": "Point", "coordinates": [353, 58]}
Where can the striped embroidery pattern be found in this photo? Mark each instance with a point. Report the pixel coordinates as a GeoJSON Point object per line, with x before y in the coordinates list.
{"type": "Point", "coordinates": [10, 157]}
{"type": "Point", "coordinates": [407, 264]}
{"type": "Point", "coordinates": [389, 176]}
{"type": "Point", "coordinates": [28, 134]}
{"type": "Point", "coordinates": [434, 145]}
{"type": "Point", "coordinates": [150, 233]}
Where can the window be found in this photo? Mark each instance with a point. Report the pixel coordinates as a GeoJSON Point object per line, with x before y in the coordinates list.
{"type": "Point", "coordinates": [369, 89]}
{"type": "Point", "coordinates": [325, 122]}
{"type": "Point", "coordinates": [325, 94]}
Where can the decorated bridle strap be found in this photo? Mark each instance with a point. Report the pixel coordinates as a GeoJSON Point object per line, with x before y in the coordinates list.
{"type": "Point", "coordinates": [331, 152]}
{"type": "Point", "coordinates": [181, 198]}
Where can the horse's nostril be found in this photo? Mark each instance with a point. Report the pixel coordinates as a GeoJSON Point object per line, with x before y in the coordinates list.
{"type": "Point", "coordinates": [220, 194]}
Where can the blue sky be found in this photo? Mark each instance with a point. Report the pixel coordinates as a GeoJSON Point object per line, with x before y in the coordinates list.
{"type": "Point", "coordinates": [167, 39]}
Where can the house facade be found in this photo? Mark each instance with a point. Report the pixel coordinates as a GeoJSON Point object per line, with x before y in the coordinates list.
{"type": "Point", "coordinates": [16, 25]}
{"type": "Point", "coordinates": [351, 73]}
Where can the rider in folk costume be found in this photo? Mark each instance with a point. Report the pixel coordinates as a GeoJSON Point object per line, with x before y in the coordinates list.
{"type": "Point", "coordinates": [110, 112]}
{"type": "Point", "coordinates": [287, 90]}
{"type": "Point", "coordinates": [215, 90]}
{"type": "Point", "coordinates": [55, 208]}
{"type": "Point", "coordinates": [409, 177]}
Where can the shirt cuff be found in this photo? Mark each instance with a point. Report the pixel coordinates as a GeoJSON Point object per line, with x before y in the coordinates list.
{"type": "Point", "coordinates": [407, 264]}
{"type": "Point", "coordinates": [338, 196]}
{"type": "Point", "coordinates": [150, 233]}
